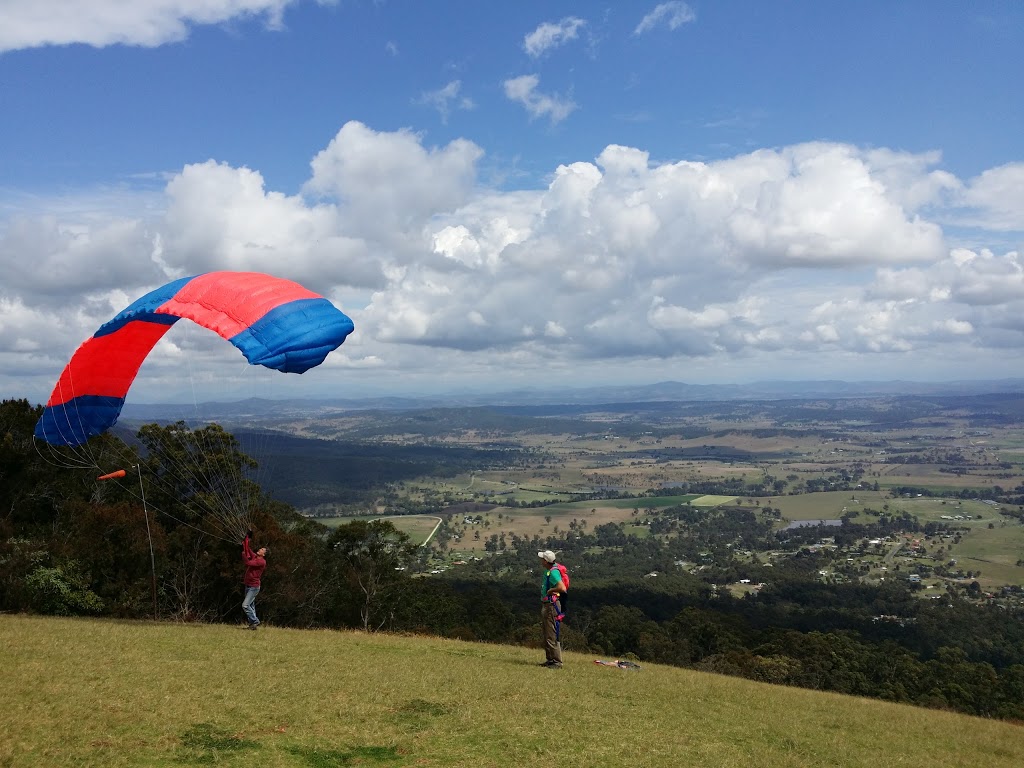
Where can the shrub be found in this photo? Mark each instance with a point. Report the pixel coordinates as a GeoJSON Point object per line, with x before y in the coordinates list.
{"type": "Point", "coordinates": [60, 592]}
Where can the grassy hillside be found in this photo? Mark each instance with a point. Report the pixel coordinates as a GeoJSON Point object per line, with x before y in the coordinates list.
{"type": "Point", "coordinates": [105, 693]}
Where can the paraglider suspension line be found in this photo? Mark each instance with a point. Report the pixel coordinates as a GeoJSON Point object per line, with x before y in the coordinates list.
{"type": "Point", "coordinates": [152, 557]}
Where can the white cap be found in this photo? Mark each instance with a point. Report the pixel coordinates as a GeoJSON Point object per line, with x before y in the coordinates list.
{"type": "Point", "coordinates": [547, 555]}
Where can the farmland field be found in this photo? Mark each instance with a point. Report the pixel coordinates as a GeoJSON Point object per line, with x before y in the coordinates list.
{"type": "Point", "coordinates": [994, 552]}
{"type": "Point", "coordinates": [826, 506]}
{"type": "Point", "coordinates": [817, 459]}
{"type": "Point", "coordinates": [418, 527]}
{"type": "Point", "coordinates": [712, 500]}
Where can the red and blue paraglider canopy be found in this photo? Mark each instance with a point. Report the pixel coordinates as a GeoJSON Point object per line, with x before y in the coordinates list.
{"type": "Point", "coordinates": [274, 322]}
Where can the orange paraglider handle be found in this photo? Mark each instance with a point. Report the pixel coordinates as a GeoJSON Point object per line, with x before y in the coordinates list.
{"type": "Point", "coordinates": [112, 475]}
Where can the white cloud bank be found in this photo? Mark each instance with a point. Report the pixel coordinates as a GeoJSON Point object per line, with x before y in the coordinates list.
{"type": "Point", "coordinates": [810, 261]}
{"type": "Point", "coordinates": [147, 23]}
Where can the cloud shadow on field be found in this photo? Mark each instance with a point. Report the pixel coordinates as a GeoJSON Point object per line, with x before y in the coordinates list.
{"type": "Point", "coordinates": [332, 758]}
{"type": "Point", "coordinates": [205, 743]}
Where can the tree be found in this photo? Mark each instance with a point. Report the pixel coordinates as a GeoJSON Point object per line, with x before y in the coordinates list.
{"type": "Point", "coordinates": [111, 544]}
{"type": "Point", "coordinates": [205, 474]}
{"type": "Point", "coordinates": [371, 554]}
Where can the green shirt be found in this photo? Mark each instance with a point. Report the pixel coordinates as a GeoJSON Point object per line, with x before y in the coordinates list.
{"type": "Point", "coordinates": [552, 577]}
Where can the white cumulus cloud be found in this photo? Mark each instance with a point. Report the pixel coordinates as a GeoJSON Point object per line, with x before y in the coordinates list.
{"type": "Point", "coordinates": [524, 90]}
{"type": "Point", "coordinates": [149, 23]}
{"type": "Point", "coordinates": [551, 35]}
{"type": "Point", "coordinates": [996, 198]}
{"type": "Point", "coordinates": [781, 254]}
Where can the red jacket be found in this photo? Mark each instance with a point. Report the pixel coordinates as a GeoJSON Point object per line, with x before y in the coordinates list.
{"type": "Point", "coordinates": [254, 565]}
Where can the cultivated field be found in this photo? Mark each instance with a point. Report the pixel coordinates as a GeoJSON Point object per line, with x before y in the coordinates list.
{"type": "Point", "coordinates": [810, 457]}
{"type": "Point", "coordinates": [417, 527]}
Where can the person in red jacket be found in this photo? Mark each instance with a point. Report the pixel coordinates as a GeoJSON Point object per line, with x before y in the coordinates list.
{"type": "Point", "coordinates": [255, 563]}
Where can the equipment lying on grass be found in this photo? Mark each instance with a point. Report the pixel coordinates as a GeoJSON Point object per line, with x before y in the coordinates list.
{"type": "Point", "coordinates": [618, 664]}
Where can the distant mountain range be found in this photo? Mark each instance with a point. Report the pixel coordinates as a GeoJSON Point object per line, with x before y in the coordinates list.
{"type": "Point", "coordinates": [666, 391]}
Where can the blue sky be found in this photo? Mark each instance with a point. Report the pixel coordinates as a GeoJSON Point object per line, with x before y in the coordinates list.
{"type": "Point", "coordinates": [528, 193]}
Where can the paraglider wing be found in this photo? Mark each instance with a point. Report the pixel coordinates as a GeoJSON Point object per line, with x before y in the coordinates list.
{"type": "Point", "coordinates": [274, 322]}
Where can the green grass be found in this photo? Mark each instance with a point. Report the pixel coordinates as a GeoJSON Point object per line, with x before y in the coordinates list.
{"type": "Point", "coordinates": [994, 552]}
{"type": "Point", "coordinates": [712, 500]}
{"type": "Point", "coordinates": [335, 522]}
{"type": "Point", "coordinates": [105, 693]}
{"type": "Point", "coordinates": [418, 527]}
{"type": "Point", "coordinates": [826, 506]}
{"type": "Point", "coordinates": [650, 502]}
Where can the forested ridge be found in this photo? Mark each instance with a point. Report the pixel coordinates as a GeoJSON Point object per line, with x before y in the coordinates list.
{"type": "Point", "coordinates": [70, 545]}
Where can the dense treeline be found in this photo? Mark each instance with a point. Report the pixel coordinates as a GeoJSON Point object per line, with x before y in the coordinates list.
{"type": "Point", "coordinates": [72, 545]}
{"type": "Point", "coordinates": [310, 472]}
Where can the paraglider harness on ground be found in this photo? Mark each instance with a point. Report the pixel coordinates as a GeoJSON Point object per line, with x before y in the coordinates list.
{"type": "Point", "coordinates": [618, 664]}
{"type": "Point", "coordinates": [558, 600]}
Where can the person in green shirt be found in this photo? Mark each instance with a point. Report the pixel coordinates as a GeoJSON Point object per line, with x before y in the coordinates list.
{"type": "Point", "coordinates": [551, 590]}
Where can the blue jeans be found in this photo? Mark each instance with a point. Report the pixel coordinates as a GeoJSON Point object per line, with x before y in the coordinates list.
{"type": "Point", "coordinates": [248, 605]}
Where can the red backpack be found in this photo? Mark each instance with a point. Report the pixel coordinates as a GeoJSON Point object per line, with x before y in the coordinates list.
{"type": "Point", "coordinates": [562, 597]}
{"type": "Point", "coordinates": [565, 574]}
